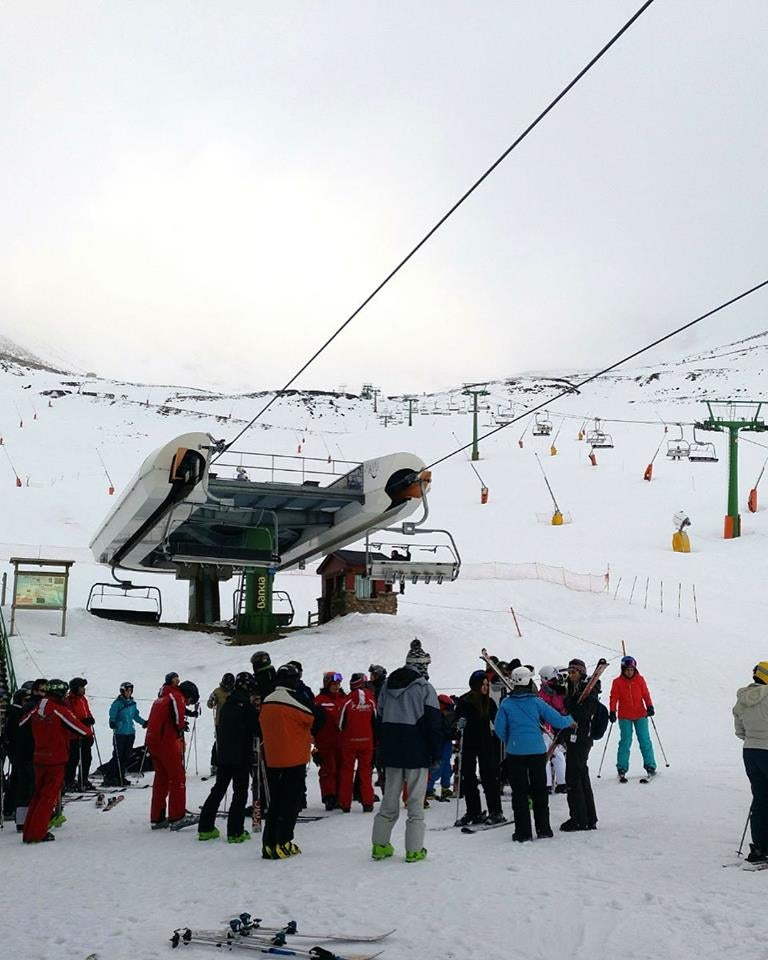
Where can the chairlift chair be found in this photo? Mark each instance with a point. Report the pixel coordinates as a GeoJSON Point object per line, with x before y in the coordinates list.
{"type": "Point", "coordinates": [702, 451]}
{"type": "Point", "coordinates": [598, 438]}
{"type": "Point", "coordinates": [678, 448]}
{"type": "Point", "coordinates": [418, 569]}
{"type": "Point", "coordinates": [542, 426]}
{"type": "Point", "coordinates": [125, 602]}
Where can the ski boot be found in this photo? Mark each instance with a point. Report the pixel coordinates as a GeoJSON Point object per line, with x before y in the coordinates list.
{"type": "Point", "coordinates": [446, 793]}
{"type": "Point", "coordinates": [651, 772]}
{"type": "Point", "coordinates": [269, 853]}
{"type": "Point", "coordinates": [45, 839]}
{"type": "Point", "coordinates": [561, 788]}
{"type": "Point", "coordinates": [622, 775]}
{"type": "Point", "coordinates": [57, 820]}
{"type": "Point", "coordinates": [471, 819]}
{"type": "Point", "coordinates": [208, 834]}
{"type": "Point", "coordinates": [413, 856]}
{"type": "Point", "coordinates": [293, 848]}
{"type": "Point", "coordinates": [496, 818]}
{"type": "Point", "coordinates": [188, 820]}
{"type": "Point", "coordinates": [240, 838]}
{"type": "Point", "coordinates": [160, 824]}
{"type": "Point", "coordinates": [756, 854]}
{"type": "Point", "coordinates": [381, 851]}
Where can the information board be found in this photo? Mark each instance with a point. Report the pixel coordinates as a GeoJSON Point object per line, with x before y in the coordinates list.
{"type": "Point", "coordinates": [42, 590]}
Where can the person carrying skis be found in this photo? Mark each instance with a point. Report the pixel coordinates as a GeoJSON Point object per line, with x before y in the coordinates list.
{"type": "Point", "coordinates": [581, 801]}
{"type": "Point", "coordinates": [410, 743]}
{"type": "Point", "coordinates": [79, 765]}
{"type": "Point", "coordinates": [326, 752]}
{"type": "Point", "coordinates": [286, 726]}
{"type": "Point", "coordinates": [53, 727]}
{"type": "Point", "coordinates": [165, 742]}
{"type": "Point", "coordinates": [238, 723]}
{"type": "Point", "coordinates": [518, 725]}
{"type": "Point", "coordinates": [631, 702]}
{"type": "Point", "coordinates": [750, 716]}
{"type": "Point", "coordinates": [480, 747]}
{"type": "Point", "coordinates": [215, 702]}
{"type": "Point", "coordinates": [356, 740]}
{"type": "Point", "coordinates": [123, 714]}
{"type": "Point", "coordinates": [552, 691]}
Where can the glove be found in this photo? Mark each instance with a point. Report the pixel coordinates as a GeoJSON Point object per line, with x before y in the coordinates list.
{"type": "Point", "coordinates": [89, 721]}
{"type": "Point", "coordinates": [612, 716]}
{"type": "Point", "coordinates": [316, 758]}
{"type": "Point", "coordinates": [650, 712]}
{"type": "Point", "coordinates": [144, 724]}
{"type": "Point", "coordinates": [186, 727]}
{"type": "Point", "coordinates": [112, 725]}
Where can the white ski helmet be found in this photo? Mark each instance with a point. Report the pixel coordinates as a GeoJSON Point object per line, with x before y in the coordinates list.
{"type": "Point", "coordinates": [548, 673]}
{"type": "Point", "coordinates": [521, 677]}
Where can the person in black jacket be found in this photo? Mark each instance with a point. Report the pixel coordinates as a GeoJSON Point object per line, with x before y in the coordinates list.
{"type": "Point", "coordinates": [480, 747]}
{"type": "Point", "coordinates": [238, 723]}
{"type": "Point", "coordinates": [20, 747]}
{"type": "Point", "coordinates": [581, 802]}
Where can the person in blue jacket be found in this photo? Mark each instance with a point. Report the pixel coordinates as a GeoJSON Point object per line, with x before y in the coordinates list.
{"type": "Point", "coordinates": [123, 714]}
{"type": "Point", "coordinates": [518, 726]}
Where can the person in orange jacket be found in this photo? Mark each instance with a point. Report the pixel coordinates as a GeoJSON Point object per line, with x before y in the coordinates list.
{"type": "Point", "coordinates": [286, 721]}
{"type": "Point", "coordinates": [53, 726]}
{"type": "Point", "coordinates": [357, 719]}
{"type": "Point", "coordinates": [165, 742]}
{"type": "Point", "coordinates": [79, 763]}
{"type": "Point", "coordinates": [631, 703]}
{"type": "Point", "coordinates": [326, 754]}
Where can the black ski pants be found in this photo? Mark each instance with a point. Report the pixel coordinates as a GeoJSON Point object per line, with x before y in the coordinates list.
{"type": "Point", "coordinates": [239, 777]}
{"type": "Point", "coordinates": [79, 755]}
{"type": "Point", "coordinates": [528, 778]}
{"type": "Point", "coordinates": [122, 744]}
{"type": "Point", "coordinates": [286, 785]}
{"type": "Point", "coordinates": [581, 802]}
{"type": "Point", "coordinates": [489, 778]}
{"type": "Point", "coordinates": [756, 765]}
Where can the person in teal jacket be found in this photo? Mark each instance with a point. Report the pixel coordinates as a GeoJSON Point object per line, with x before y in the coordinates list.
{"type": "Point", "coordinates": [518, 725]}
{"type": "Point", "coordinates": [123, 715]}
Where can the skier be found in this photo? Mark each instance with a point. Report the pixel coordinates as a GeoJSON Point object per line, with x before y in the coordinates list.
{"type": "Point", "coordinates": [123, 714]}
{"type": "Point", "coordinates": [444, 772]}
{"type": "Point", "coordinates": [410, 743]}
{"type": "Point", "coordinates": [751, 722]}
{"type": "Point", "coordinates": [553, 692]}
{"type": "Point", "coordinates": [581, 801]}
{"type": "Point", "coordinates": [21, 748]}
{"type": "Point", "coordinates": [165, 741]}
{"type": "Point", "coordinates": [261, 662]}
{"type": "Point", "coordinates": [376, 677]}
{"type": "Point", "coordinates": [631, 701]}
{"type": "Point", "coordinates": [53, 725]}
{"type": "Point", "coordinates": [301, 688]}
{"type": "Point", "coordinates": [356, 739]}
{"type": "Point", "coordinates": [480, 747]}
{"type": "Point", "coordinates": [518, 724]}
{"type": "Point", "coordinates": [326, 752]}
{"type": "Point", "coordinates": [286, 726]}
{"type": "Point", "coordinates": [215, 702]}
{"type": "Point", "coordinates": [238, 723]}
{"type": "Point", "coordinates": [79, 764]}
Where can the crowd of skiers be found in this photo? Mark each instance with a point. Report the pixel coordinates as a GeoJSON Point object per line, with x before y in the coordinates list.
{"type": "Point", "coordinates": [512, 727]}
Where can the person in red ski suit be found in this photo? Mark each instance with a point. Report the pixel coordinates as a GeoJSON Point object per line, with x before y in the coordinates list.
{"type": "Point", "coordinates": [356, 742]}
{"type": "Point", "coordinates": [79, 749]}
{"type": "Point", "coordinates": [53, 726]}
{"type": "Point", "coordinates": [326, 752]}
{"type": "Point", "coordinates": [165, 742]}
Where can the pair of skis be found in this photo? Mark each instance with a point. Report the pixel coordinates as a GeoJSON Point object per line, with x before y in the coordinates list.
{"type": "Point", "coordinates": [246, 922]}
{"type": "Point", "coordinates": [105, 803]}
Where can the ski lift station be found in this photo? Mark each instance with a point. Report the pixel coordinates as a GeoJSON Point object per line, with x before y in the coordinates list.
{"type": "Point", "coordinates": [204, 515]}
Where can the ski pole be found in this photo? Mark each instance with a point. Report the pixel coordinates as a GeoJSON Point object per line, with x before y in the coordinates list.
{"type": "Point", "coordinates": [741, 845]}
{"type": "Point", "coordinates": [666, 762]}
{"type": "Point", "coordinates": [117, 759]}
{"type": "Point", "coordinates": [143, 758]}
{"type": "Point", "coordinates": [96, 744]}
{"type": "Point", "coordinates": [605, 748]}
{"type": "Point", "coordinates": [80, 763]}
{"type": "Point", "coordinates": [194, 739]}
{"type": "Point", "coordinates": [460, 724]}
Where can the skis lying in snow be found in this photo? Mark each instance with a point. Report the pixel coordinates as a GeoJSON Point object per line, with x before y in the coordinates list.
{"type": "Point", "coordinates": [257, 944]}
{"type": "Point", "coordinates": [245, 921]}
{"type": "Point", "coordinates": [481, 827]}
{"type": "Point", "coordinates": [625, 779]}
{"type": "Point", "coordinates": [749, 867]}
{"type": "Point", "coordinates": [112, 802]}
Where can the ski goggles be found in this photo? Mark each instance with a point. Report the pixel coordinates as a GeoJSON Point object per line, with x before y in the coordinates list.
{"type": "Point", "coordinates": [331, 676]}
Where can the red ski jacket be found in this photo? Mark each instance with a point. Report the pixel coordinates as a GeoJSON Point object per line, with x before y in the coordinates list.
{"type": "Point", "coordinates": [356, 719]}
{"type": "Point", "coordinates": [166, 717]}
{"type": "Point", "coordinates": [53, 727]}
{"type": "Point", "coordinates": [630, 698]}
{"type": "Point", "coordinates": [327, 737]}
{"type": "Point", "coordinates": [79, 706]}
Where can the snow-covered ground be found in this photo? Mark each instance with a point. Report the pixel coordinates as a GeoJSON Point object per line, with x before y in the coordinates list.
{"type": "Point", "coordinates": [650, 881]}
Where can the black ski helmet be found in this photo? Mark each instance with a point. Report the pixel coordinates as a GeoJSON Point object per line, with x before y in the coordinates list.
{"type": "Point", "coordinates": [170, 677]}
{"type": "Point", "coordinates": [228, 681]}
{"type": "Point", "coordinates": [190, 691]}
{"type": "Point", "coordinates": [299, 668]}
{"type": "Point", "coordinates": [377, 671]}
{"type": "Point", "coordinates": [245, 682]}
{"type": "Point", "coordinates": [126, 685]}
{"type": "Point", "coordinates": [260, 660]}
{"type": "Point", "coordinates": [288, 676]}
{"type": "Point", "coordinates": [76, 682]}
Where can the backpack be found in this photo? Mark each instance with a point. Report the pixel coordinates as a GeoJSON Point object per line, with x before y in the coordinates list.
{"type": "Point", "coordinates": [599, 722]}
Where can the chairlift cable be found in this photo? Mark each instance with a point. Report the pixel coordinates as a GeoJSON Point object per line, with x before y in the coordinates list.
{"type": "Point", "coordinates": [550, 106]}
{"type": "Point", "coordinates": [613, 366]}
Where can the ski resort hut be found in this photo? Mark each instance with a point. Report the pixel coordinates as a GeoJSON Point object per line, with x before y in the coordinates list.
{"type": "Point", "coordinates": [346, 588]}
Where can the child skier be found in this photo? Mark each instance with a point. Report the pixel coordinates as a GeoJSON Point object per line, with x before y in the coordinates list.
{"type": "Point", "coordinates": [553, 692]}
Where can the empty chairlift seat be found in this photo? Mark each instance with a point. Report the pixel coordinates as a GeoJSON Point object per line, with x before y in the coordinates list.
{"type": "Point", "coordinates": [126, 602]}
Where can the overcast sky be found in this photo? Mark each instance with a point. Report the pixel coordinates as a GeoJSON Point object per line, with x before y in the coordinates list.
{"type": "Point", "coordinates": [200, 192]}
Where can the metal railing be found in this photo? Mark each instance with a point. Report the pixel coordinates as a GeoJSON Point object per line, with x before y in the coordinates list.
{"type": "Point", "coordinates": [279, 464]}
{"type": "Point", "coordinates": [6, 658]}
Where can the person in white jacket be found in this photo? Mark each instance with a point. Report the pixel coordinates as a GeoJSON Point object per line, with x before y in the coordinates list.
{"type": "Point", "coordinates": [751, 721]}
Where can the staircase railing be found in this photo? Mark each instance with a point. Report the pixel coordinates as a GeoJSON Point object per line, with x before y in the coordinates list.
{"type": "Point", "coordinates": [6, 660]}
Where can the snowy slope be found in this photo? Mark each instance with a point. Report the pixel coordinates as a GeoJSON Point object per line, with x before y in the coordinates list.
{"type": "Point", "coordinates": [649, 881]}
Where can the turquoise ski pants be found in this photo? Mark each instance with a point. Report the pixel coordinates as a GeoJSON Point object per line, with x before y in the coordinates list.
{"type": "Point", "coordinates": [643, 739]}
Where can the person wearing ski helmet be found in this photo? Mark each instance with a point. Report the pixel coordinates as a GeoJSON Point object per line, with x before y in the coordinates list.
{"type": "Point", "coordinates": [410, 743]}
{"type": "Point", "coordinates": [238, 724]}
{"type": "Point", "coordinates": [287, 722]}
{"type": "Point", "coordinates": [581, 800]}
{"type": "Point", "coordinates": [53, 727]}
{"type": "Point", "coordinates": [301, 688]}
{"type": "Point", "coordinates": [518, 726]}
{"type": "Point", "coordinates": [357, 719]}
{"type": "Point", "coordinates": [552, 691]}
{"type": "Point", "coordinates": [750, 717]}
{"type": "Point", "coordinates": [326, 752]}
{"type": "Point", "coordinates": [261, 662]}
{"type": "Point", "coordinates": [165, 742]}
{"type": "Point", "coordinates": [123, 715]}
{"type": "Point", "coordinates": [20, 747]}
{"type": "Point", "coordinates": [479, 747]}
{"type": "Point", "coordinates": [631, 703]}
{"type": "Point", "coordinates": [79, 765]}
{"type": "Point", "coordinates": [376, 677]}
{"type": "Point", "coordinates": [215, 702]}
